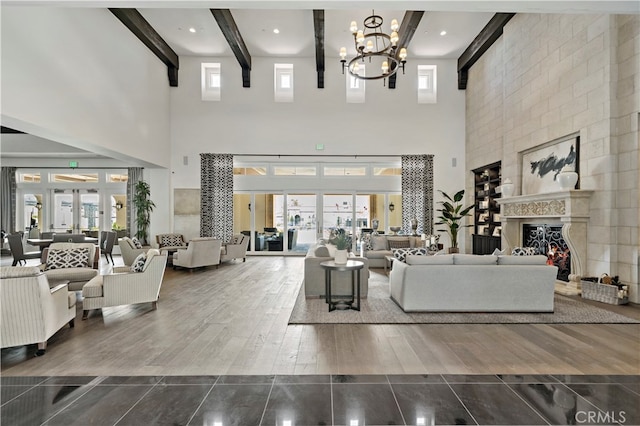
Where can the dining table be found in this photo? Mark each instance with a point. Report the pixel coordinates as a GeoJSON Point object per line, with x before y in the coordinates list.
{"type": "Point", "coordinates": [43, 243]}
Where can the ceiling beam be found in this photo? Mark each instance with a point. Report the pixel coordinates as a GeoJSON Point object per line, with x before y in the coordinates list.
{"type": "Point", "coordinates": [483, 41]}
{"type": "Point", "coordinates": [9, 130]}
{"type": "Point", "coordinates": [234, 38]}
{"type": "Point", "coordinates": [318, 26]}
{"type": "Point", "coordinates": [407, 29]}
{"type": "Point", "coordinates": [139, 26]}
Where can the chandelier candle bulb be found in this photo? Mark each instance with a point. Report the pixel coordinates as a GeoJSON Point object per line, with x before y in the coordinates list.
{"type": "Point", "coordinates": [353, 27]}
{"type": "Point", "coordinates": [403, 54]}
{"type": "Point", "coordinates": [385, 67]}
{"type": "Point", "coordinates": [343, 53]}
{"type": "Point", "coordinates": [394, 38]}
{"type": "Point", "coordinates": [394, 25]}
{"type": "Point", "coordinates": [359, 36]}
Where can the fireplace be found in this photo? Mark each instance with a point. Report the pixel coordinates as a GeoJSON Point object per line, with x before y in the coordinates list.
{"type": "Point", "coordinates": [548, 241]}
{"type": "Point", "coordinates": [568, 212]}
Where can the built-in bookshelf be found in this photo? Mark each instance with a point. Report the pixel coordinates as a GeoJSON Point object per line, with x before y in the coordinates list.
{"type": "Point", "coordinates": [487, 226]}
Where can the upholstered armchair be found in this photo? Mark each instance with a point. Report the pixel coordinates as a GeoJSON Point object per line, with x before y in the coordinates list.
{"type": "Point", "coordinates": [125, 287]}
{"type": "Point", "coordinates": [202, 252]}
{"type": "Point", "coordinates": [129, 251]}
{"type": "Point", "coordinates": [235, 249]}
{"type": "Point", "coordinates": [60, 268]}
{"type": "Point", "coordinates": [31, 311]}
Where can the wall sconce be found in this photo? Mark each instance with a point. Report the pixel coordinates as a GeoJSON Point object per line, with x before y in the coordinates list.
{"type": "Point", "coordinates": [249, 206]}
{"type": "Point", "coordinates": [39, 206]}
{"type": "Point", "coordinates": [119, 205]}
{"type": "Point", "coordinates": [392, 207]}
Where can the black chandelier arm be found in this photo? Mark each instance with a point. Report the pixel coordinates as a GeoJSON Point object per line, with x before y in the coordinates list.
{"type": "Point", "coordinates": [394, 64]}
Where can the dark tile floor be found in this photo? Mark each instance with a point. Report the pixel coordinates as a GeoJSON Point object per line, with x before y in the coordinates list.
{"type": "Point", "coordinates": [321, 400]}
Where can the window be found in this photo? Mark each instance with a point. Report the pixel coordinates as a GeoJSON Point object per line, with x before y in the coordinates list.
{"type": "Point", "coordinates": [356, 87]}
{"type": "Point", "coordinates": [74, 178]}
{"type": "Point", "coordinates": [29, 177]}
{"type": "Point", "coordinates": [210, 81]}
{"type": "Point", "coordinates": [250, 171]}
{"type": "Point", "coordinates": [294, 171]}
{"type": "Point", "coordinates": [427, 84]}
{"type": "Point", "coordinates": [283, 82]}
{"type": "Point", "coordinates": [345, 171]}
{"type": "Point", "coordinates": [387, 171]}
{"type": "Point", "coordinates": [117, 178]}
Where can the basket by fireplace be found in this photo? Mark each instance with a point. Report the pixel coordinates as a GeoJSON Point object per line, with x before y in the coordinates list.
{"type": "Point", "coordinates": [613, 294]}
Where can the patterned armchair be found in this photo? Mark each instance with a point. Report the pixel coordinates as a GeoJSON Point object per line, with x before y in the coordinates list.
{"type": "Point", "coordinates": [31, 311]}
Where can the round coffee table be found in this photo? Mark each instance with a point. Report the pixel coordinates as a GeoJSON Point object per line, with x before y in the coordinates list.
{"type": "Point", "coordinates": [353, 266]}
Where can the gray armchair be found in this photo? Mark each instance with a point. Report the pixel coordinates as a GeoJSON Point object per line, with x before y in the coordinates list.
{"type": "Point", "coordinates": [202, 252]}
{"type": "Point", "coordinates": [236, 249]}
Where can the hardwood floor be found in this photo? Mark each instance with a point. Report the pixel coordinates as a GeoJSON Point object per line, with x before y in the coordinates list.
{"type": "Point", "coordinates": [233, 320]}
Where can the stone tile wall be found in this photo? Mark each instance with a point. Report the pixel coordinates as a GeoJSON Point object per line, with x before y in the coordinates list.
{"type": "Point", "coordinates": [552, 75]}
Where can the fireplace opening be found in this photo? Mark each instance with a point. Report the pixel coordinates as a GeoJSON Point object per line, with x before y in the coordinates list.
{"type": "Point", "coordinates": [547, 240]}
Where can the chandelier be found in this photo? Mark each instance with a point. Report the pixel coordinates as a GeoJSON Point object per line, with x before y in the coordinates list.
{"type": "Point", "coordinates": [372, 44]}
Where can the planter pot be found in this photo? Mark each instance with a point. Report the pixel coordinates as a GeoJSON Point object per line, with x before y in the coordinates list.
{"type": "Point", "coordinates": [454, 250]}
{"type": "Point", "coordinates": [341, 257]}
{"type": "Point", "coordinates": [567, 180]}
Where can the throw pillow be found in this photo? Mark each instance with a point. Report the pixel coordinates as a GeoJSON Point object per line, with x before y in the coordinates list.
{"type": "Point", "coordinates": [136, 243]}
{"type": "Point", "coordinates": [498, 252]}
{"type": "Point", "coordinates": [402, 253]}
{"type": "Point", "coordinates": [138, 264]}
{"type": "Point", "coordinates": [67, 258]}
{"type": "Point", "coordinates": [322, 251]}
{"type": "Point", "coordinates": [379, 243]}
{"type": "Point", "coordinates": [366, 242]}
{"type": "Point", "coordinates": [523, 251]}
{"type": "Point", "coordinates": [171, 240]}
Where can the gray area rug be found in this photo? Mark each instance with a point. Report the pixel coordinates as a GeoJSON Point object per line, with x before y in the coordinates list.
{"type": "Point", "coordinates": [378, 308]}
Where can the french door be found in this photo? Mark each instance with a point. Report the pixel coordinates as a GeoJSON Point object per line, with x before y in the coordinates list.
{"type": "Point", "coordinates": [75, 210]}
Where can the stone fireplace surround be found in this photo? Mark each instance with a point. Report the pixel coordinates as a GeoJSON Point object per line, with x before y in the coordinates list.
{"type": "Point", "coordinates": [570, 209]}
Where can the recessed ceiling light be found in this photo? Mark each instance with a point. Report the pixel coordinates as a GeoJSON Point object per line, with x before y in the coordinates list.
{"type": "Point", "coordinates": [192, 30]}
{"type": "Point", "coordinates": [443, 32]}
{"type": "Point", "coordinates": [276, 31]}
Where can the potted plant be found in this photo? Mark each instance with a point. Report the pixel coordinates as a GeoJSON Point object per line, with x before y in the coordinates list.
{"type": "Point", "coordinates": [342, 242]}
{"type": "Point", "coordinates": [143, 207]}
{"type": "Point", "coordinates": [451, 214]}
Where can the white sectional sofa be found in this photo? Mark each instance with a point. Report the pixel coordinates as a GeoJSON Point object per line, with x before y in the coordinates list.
{"type": "Point", "coordinates": [471, 283]}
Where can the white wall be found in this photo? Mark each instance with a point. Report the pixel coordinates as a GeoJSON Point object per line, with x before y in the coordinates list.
{"type": "Point", "coordinates": [80, 77]}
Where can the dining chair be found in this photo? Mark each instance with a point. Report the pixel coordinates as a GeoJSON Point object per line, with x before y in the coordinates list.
{"type": "Point", "coordinates": [17, 250]}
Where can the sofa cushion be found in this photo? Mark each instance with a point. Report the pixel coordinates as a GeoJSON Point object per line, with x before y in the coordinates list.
{"type": "Point", "coordinates": [138, 264]}
{"type": "Point", "coordinates": [445, 259]}
{"type": "Point", "coordinates": [401, 253]}
{"type": "Point", "coordinates": [67, 258]}
{"type": "Point", "coordinates": [523, 251]}
{"type": "Point", "coordinates": [379, 242]}
{"type": "Point", "coordinates": [71, 274]}
{"type": "Point", "coordinates": [537, 259]}
{"type": "Point", "coordinates": [398, 242]}
{"type": "Point", "coordinates": [321, 251]}
{"type": "Point", "coordinates": [474, 259]}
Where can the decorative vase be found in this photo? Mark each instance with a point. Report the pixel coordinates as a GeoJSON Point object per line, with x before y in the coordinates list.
{"type": "Point", "coordinates": [374, 225]}
{"type": "Point", "coordinates": [507, 188]}
{"type": "Point", "coordinates": [567, 178]}
{"type": "Point", "coordinates": [414, 226]}
{"type": "Point", "coordinates": [341, 257]}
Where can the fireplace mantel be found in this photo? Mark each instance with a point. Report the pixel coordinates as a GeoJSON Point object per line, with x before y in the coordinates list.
{"type": "Point", "coordinates": [569, 208]}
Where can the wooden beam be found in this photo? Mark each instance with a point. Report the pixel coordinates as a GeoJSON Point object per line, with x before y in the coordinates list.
{"type": "Point", "coordinates": [133, 20]}
{"type": "Point", "coordinates": [234, 38]}
{"type": "Point", "coordinates": [483, 41]}
{"type": "Point", "coordinates": [407, 29]}
{"type": "Point", "coordinates": [9, 130]}
{"type": "Point", "coordinates": [318, 25]}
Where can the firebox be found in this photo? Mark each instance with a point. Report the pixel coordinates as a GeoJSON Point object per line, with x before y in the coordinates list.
{"type": "Point", "coordinates": [548, 241]}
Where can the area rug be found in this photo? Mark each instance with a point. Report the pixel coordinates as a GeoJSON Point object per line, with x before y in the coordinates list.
{"type": "Point", "coordinates": [378, 308]}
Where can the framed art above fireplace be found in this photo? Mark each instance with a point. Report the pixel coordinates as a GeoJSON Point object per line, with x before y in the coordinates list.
{"type": "Point", "coordinates": [541, 165]}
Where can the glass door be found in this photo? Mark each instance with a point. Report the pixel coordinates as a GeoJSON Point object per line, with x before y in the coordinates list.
{"type": "Point", "coordinates": [302, 228]}
{"type": "Point", "coordinates": [75, 211]}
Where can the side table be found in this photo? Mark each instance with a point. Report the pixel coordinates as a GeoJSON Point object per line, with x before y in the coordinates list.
{"type": "Point", "coordinates": [353, 266]}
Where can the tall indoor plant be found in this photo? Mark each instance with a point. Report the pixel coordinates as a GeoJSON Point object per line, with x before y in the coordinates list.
{"type": "Point", "coordinates": [144, 206]}
{"type": "Point", "coordinates": [451, 215]}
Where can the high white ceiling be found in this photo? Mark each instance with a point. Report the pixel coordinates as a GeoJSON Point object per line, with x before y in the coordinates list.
{"type": "Point", "coordinates": [256, 20]}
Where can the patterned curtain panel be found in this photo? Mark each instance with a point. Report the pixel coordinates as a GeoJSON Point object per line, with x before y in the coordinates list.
{"type": "Point", "coordinates": [8, 199]}
{"type": "Point", "coordinates": [216, 196]}
{"type": "Point", "coordinates": [135, 176]}
{"type": "Point", "coordinates": [417, 193]}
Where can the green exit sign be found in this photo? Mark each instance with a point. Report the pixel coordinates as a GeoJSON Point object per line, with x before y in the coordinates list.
{"type": "Point", "coordinates": [73, 164]}
{"type": "Point", "coordinates": [319, 146]}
